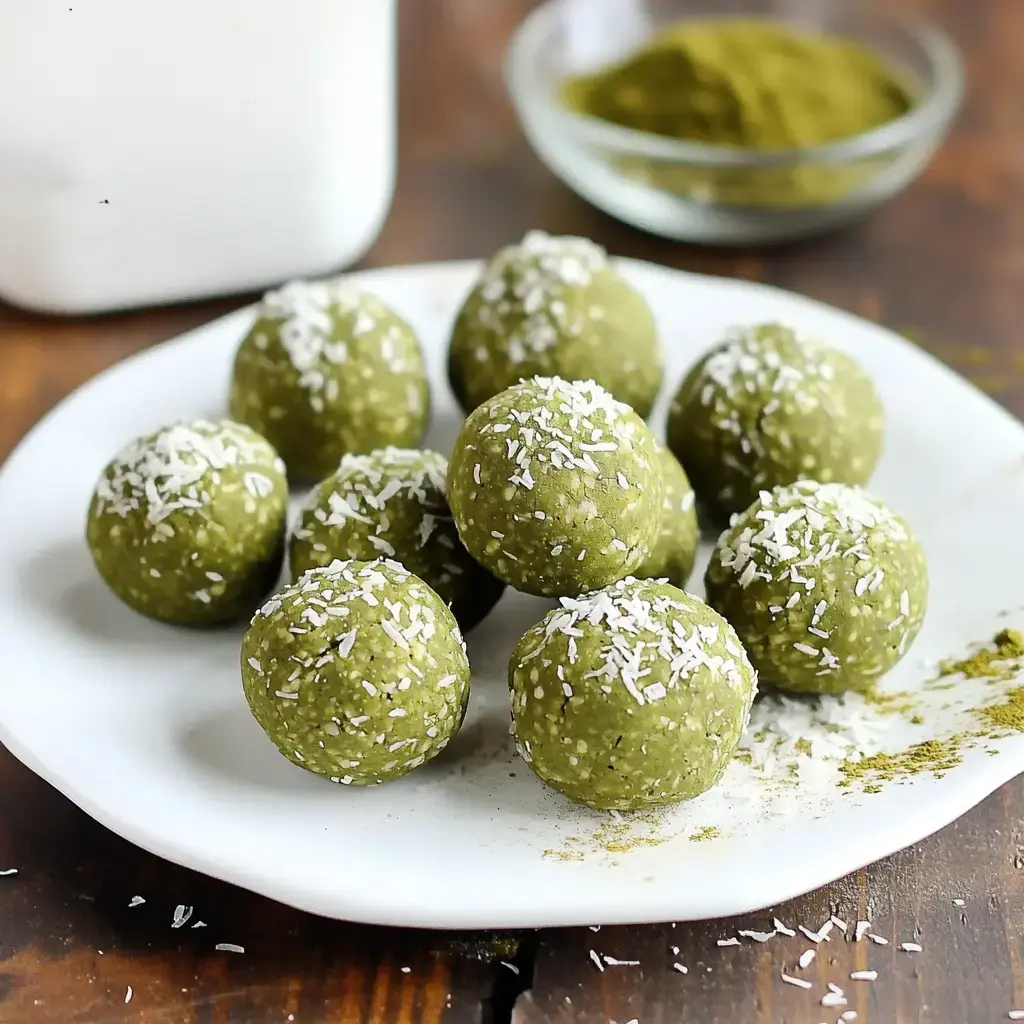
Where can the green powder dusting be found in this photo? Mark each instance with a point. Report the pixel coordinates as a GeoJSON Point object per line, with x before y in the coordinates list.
{"type": "Point", "coordinates": [485, 946]}
{"type": "Point", "coordinates": [564, 856]}
{"type": "Point", "coordinates": [899, 703]}
{"type": "Point", "coordinates": [706, 833]}
{"type": "Point", "coordinates": [754, 84]}
{"type": "Point", "coordinates": [914, 334]}
{"type": "Point", "coordinates": [1007, 715]}
{"type": "Point", "coordinates": [751, 83]}
{"type": "Point", "coordinates": [935, 756]}
{"type": "Point", "coordinates": [999, 662]}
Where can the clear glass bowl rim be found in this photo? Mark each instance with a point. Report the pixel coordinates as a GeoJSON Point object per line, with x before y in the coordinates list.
{"type": "Point", "coordinates": [928, 117]}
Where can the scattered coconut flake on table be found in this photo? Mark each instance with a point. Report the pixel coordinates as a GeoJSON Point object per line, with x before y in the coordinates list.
{"type": "Point", "coordinates": [848, 1015]}
{"type": "Point", "coordinates": [680, 968]}
{"type": "Point", "coordinates": [959, 903]}
{"type": "Point", "coordinates": [782, 929]}
{"type": "Point", "coordinates": [863, 975]}
{"type": "Point", "coordinates": [863, 927]}
{"type": "Point", "coordinates": [807, 957]}
{"type": "Point", "coordinates": [136, 901]}
{"type": "Point", "coordinates": [597, 960]}
{"type": "Point", "coordinates": [128, 995]}
{"type": "Point", "coordinates": [877, 939]}
{"type": "Point", "coordinates": [228, 947]}
{"type": "Point", "coordinates": [821, 935]}
{"type": "Point", "coordinates": [199, 924]}
{"type": "Point", "coordinates": [7, 872]}
{"type": "Point", "coordinates": [1016, 1015]}
{"type": "Point", "coordinates": [839, 923]}
{"type": "Point", "coordinates": [405, 970]}
{"type": "Point", "coordinates": [511, 967]}
{"type": "Point", "coordinates": [790, 980]}
{"type": "Point", "coordinates": [181, 915]}
{"type": "Point", "coordinates": [911, 947]}
{"type": "Point", "coordinates": [729, 942]}
{"type": "Point", "coordinates": [834, 998]}
{"type": "Point", "coordinates": [756, 936]}
{"type": "Point", "coordinates": [595, 927]}
{"type": "Point", "coordinates": [612, 962]}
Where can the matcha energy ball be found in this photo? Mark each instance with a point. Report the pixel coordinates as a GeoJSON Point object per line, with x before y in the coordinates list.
{"type": "Point", "coordinates": [824, 585]}
{"type": "Point", "coordinates": [631, 696]}
{"type": "Point", "coordinates": [555, 487]}
{"type": "Point", "coordinates": [187, 524]}
{"type": "Point", "coordinates": [769, 406]}
{"type": "Point", "coordinates": [357, 671]}
{"type": "Point", "coordinates": [392, 502]}
{"type": "Point", "coordinates": [554, 307]}
{"type": "Point", "coordinates": [326, 370]}
{"type": "Point", "coordinates": [675, 550]}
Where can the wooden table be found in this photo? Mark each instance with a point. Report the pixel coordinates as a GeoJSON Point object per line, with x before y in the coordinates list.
{"type": "Point", "coordinates": [946, 260]}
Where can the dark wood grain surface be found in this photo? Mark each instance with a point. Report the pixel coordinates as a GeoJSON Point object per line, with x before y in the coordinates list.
{"type": "Point", "coordinates": [945, 260]}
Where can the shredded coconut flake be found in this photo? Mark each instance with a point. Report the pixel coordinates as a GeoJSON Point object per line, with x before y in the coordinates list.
{"type": "Point", "coordinates": [798, 982]}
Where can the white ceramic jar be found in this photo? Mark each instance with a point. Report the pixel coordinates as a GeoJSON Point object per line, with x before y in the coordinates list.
{"type": "Point", "coordinates": [161, 150]}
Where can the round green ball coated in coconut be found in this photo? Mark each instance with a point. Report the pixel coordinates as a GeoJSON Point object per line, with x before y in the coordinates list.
{"type": "Point", "coordinates": [555, 487]}
{"type": "Point", "coordinates": [631, 696]}
{"type": "Point", "coordinates": [675, 550]}
{"type": "Point", "coordinates": [769, 406]}
{"type": "Point", "coordinates": [325, 370]}
{"type": "Point", "coordinates": [554, 307]}
{"type": "Point", "coordinates": [357, 672]}
{"type": "Point", "coordinates": [825, 586]}
{"type": "Point", "coordinates": [187, 524]}
{"type": "Point", "coordinates": [392, 503]}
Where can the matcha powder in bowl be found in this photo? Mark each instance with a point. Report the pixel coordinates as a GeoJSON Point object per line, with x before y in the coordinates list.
{"type": "Point", "coordinates": [757, 125]}
{"type": "Point", "coordinates": [746, 82]}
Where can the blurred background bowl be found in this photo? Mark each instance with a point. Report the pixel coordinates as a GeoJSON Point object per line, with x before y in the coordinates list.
{"type": "Point", "coordinates": [696, 192]}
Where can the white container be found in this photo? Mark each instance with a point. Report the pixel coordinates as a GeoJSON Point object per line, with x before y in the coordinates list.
{"type": "Point", "coordinates": [162, 150]}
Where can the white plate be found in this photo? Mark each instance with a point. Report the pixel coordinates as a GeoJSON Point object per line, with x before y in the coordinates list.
{"type": "Point", "coordinates": [144, 726]}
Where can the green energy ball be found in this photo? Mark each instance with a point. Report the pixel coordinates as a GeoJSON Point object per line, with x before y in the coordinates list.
{"type": "Point", "coordinates": [391, 502]}
{"type": "Point", "coordinates": [187, 525]}
{"type": "Point", "coordinates": [326, 370]}
{"type": "Point", "coordinates": [555, 487]}
{"type": "Point", "coordinates": [631, 696]}
{"type": "Point", "coordinates": [769, 406]}
{"type": "Point", "coordinates": [675, 550]}
{"type": "Point", "coordinates": [823, 584]}
{"type": "Point", "coordinates": [554, 307]}
{"type": "Point", "coordinates": [357, 671]}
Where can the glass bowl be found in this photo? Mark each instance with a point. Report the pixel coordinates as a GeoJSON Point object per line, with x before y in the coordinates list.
{"type": "Point", "coordinates": [722, 195]}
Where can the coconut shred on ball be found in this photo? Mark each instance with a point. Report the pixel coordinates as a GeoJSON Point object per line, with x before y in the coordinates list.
{"type": "Point", "coordinates": [825, 586]}
{"type": "Point", "coordinates": [555, 307]}
{"type": "Point", "coordinates": [392, 502]}
{"type": "Point", "coordinates": [186, 525]}
{"type": "Point", "coordinates": [769, 406]}
{"type": "Point", "coordinates": [357, 672]}
{"type": "Point", "coordinates": [629, 697]}
{"type": "Point", "coordinates": [555, 487]}
{"type": "Point", "coordinates": [327, 369]}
